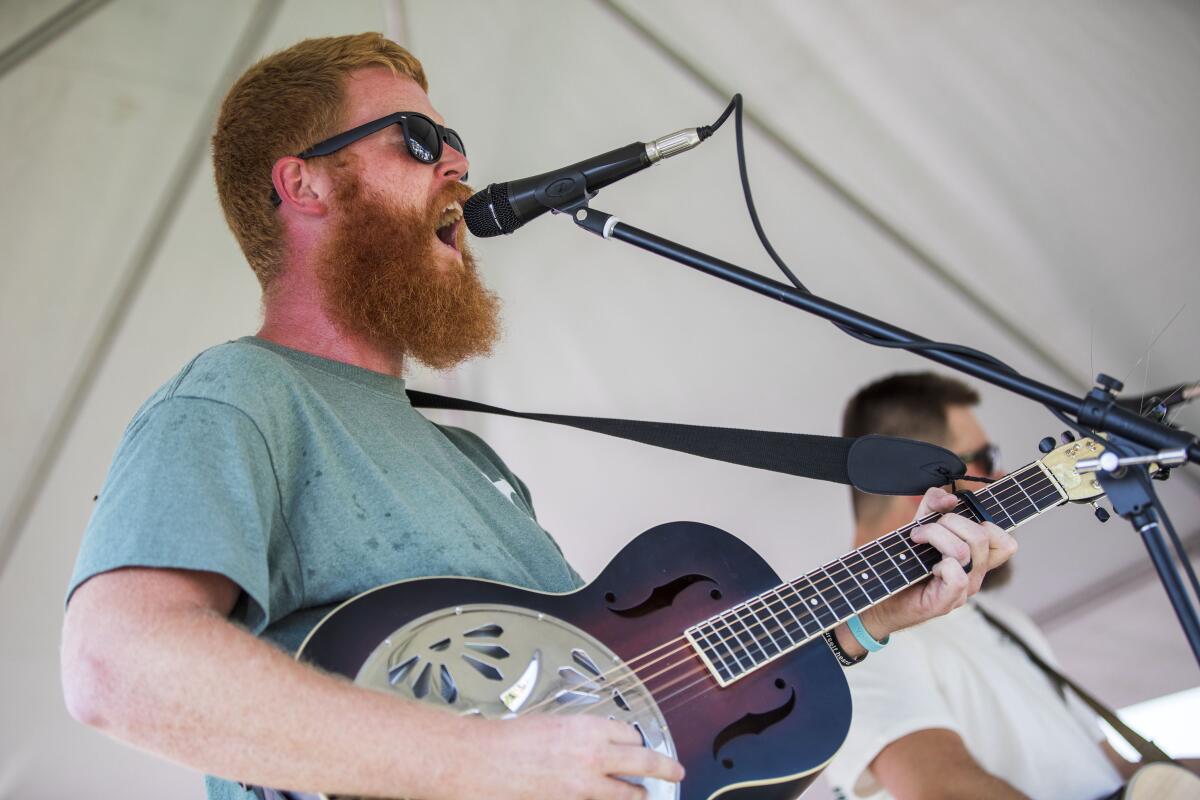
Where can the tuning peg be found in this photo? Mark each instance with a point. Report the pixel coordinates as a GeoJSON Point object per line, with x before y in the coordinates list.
{"type": "Point", "coordinates": [1067, 437]}
{"type": "Point", "coordinates": [1046, 445]}
{"type": "Point", "coordinates": [1101, 512]}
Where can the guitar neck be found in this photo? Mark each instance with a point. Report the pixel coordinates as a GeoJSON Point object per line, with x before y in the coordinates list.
{"type": "Point", "coordinates": [747, 636]}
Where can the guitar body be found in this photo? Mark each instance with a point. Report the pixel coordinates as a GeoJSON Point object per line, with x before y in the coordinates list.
{"type": "Point", "coordinates": [478, 647]}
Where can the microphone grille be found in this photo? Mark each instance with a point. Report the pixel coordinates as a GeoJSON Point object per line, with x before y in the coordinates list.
{"type": "Point", "coordinates": [488, 212]}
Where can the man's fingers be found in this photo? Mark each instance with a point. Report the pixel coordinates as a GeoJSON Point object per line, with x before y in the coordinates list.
{"type": "Point", "coordinates": [628, 755]}
{"type": "Point", "coordinates": [1002, 544]}
{"type": "Point", "coordinates": [936, 500]}
{"type": "Point", "coordinates": [953, 593]}
{"type": "Point", "coordinates": [976, 538]}
{"type": "Point", "coordinates": [642, 762]}
{"type": "Point", "coordinates": [622, 733]}
{"type": "Point", "coordinates": [944, 540]}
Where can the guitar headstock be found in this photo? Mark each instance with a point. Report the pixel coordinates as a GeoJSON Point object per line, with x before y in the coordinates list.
{"type": "Point", "coordinates": [1061, 461]}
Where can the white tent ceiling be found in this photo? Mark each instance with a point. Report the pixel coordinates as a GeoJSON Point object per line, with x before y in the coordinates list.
{"type": "Point", "coordinates": [1017, 176]}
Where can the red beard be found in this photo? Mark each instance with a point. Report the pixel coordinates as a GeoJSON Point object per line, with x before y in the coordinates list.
{"type": "Point", "coordinates": [382, 283]}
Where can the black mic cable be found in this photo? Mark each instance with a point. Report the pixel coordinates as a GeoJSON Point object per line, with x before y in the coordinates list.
{"type": "Point", "coordinates": [735, 105]}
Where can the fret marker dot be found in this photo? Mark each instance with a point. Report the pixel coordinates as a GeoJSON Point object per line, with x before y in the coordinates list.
{"type": "Point", "coordinates": [864, 576]}
{"type": "Point", "coordinates": [813, 601]}
{"type": "Point", "coordinates": [902, 556]}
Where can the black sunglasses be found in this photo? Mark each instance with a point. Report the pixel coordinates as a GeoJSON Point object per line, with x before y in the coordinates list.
{"type": "Point", "coordinates": [422, 138]}
{"type": "Point", "coordinates": [987, 457]}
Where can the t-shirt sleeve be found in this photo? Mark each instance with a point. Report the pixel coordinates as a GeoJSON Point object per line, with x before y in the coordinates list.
{"type": "Point", "coordinates": [191, 487]}
{"type": "Point", "coordinates": [894, 694]}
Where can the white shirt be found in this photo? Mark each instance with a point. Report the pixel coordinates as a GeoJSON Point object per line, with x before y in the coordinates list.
{"type": "Point", "coordinates": [960, 673]}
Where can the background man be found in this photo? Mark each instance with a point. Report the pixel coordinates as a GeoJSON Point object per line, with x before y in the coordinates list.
{"type": "Point", "coordinates": [279, 474]}
{"type": "Point", "coordinates": [953, 708]}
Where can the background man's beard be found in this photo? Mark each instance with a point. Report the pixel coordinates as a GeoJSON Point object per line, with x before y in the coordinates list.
{"type": "Point", "coordinates": [381, 281]}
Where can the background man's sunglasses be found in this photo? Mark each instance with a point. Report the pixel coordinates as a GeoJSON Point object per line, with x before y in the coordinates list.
{"type": "Point", "coordinates": [986, 457]}
{"type": "Point", "coordinates": [422, 138]}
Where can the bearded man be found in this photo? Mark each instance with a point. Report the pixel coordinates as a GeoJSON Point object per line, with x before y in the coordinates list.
{"type": "Point", "coordinates": [280, 474]}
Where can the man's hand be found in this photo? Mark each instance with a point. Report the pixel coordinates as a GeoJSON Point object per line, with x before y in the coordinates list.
{"type": "Point", "coordinates": [960, 542]}
{"type": "Point", "coordinates": [567, 757]}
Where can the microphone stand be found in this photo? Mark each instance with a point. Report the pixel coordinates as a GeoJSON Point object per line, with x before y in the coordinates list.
{"type": "Point", "coordinates": [1129, 435]}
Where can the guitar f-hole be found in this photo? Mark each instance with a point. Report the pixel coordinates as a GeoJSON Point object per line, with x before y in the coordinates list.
{"type": "Point", "coordinates": [662, 596]}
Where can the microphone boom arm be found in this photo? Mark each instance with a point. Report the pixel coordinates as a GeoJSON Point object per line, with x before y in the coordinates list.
{"type": "Point", "coordinates": [1098, 412]}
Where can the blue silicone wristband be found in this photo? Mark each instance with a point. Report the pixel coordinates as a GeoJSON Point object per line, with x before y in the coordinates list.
{"type": "Point", "coordinates": [864, 638]}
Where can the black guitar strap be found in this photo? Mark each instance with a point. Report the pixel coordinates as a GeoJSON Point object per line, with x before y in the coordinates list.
{"type": "Point", "coordinates": [875, 464]}
{"type": "Point", "coordinates": [823, 458]}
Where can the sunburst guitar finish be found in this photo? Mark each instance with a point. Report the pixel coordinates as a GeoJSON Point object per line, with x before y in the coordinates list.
{"type": "Point", "coordinates": [490, 649]}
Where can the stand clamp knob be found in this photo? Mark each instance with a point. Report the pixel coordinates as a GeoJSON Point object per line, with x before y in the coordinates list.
{"type": "Point", "coordinates": [1109, 383]}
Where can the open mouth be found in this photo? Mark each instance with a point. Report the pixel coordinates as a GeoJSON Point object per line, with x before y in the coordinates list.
{"type": "Point", "coordinates": [448, 225]}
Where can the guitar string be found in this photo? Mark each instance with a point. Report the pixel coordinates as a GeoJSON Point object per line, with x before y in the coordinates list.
{"type": "Point", "coordinates": [739, 647]}
{"type": "Point", "coordinates": [707, 677]}
{"type": "Point", "coordinates": [742, 648]}
{"type": "Point", "coordinates": [821, 586]}
{"type": "Point", "coordinates": [894, 544]}
{"type": "Point", "coordinates": [850, 582]}
{"type": "Point", "coordinates": [656, 696]}
{"type": "Point", "coordinates": [662, 702]}
{"type": "Point", "coordinates": [928, 550]}
{"type": "Point", "coordinates": [893, 541]}
{"type": "Point", "coordinates": [808, 638]}
{"type": "Point", "coordinates": [847, 582]}
{"type": "Point", "coordinates": [702, 669]}
{"type": "Point", "coordinates": [632, 666]}
{"type": "Point", "coordinates": [633, 671]}
{"type": "Point", "coordinates": [713, 684]}
{"type": "Point", "coordinates": [693, 657]}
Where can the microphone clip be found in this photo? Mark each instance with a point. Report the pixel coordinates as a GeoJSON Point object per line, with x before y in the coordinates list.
{"type": "Point", "coordinates": [565, 195]}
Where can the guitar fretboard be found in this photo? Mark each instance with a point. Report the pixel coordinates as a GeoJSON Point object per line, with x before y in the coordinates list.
{"type": "Point", "coordinates": [748, 635]}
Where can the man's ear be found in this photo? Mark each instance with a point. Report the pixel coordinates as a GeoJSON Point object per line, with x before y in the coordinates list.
{"type": "Point", "coordinates": [297, 186]}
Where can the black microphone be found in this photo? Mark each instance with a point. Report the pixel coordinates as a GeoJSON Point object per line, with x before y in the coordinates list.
{"type": "Point", "coordinates": [504, 207]}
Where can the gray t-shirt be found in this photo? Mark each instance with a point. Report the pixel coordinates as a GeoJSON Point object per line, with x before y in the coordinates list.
{"type": "Point", "coordinates": [306, 481]}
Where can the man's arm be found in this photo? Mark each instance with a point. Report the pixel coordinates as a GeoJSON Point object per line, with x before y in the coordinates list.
{"type": "Point", "coordinates": [934, 764]}
{"type": "Point", "coordinates": [149, 658]}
